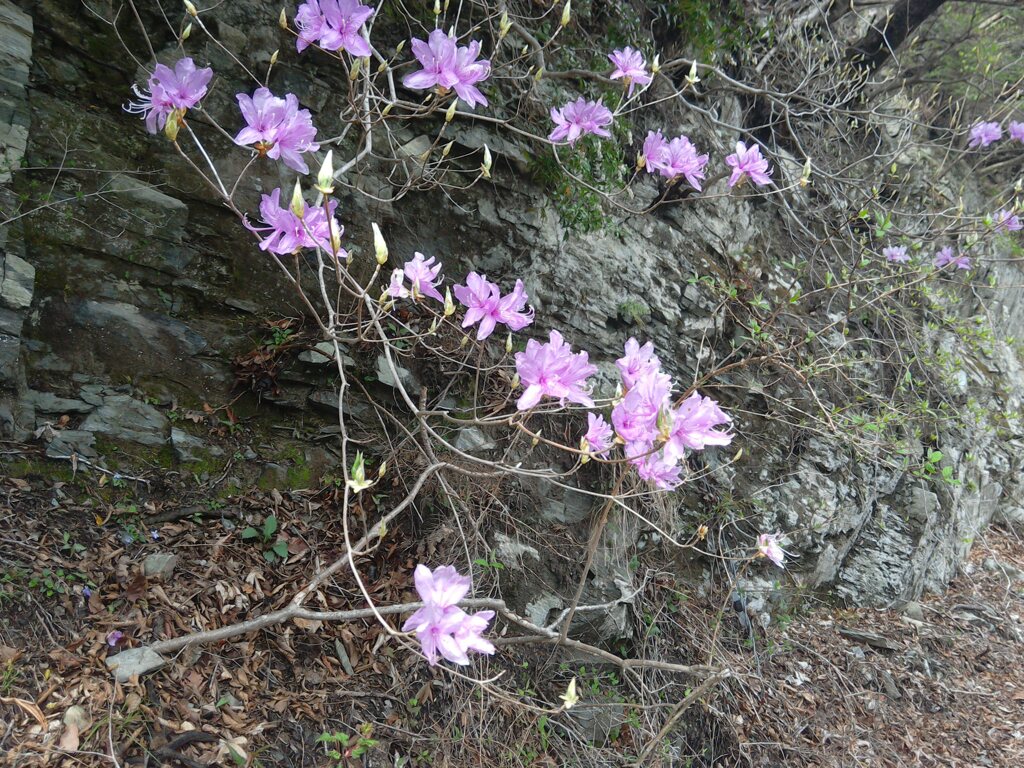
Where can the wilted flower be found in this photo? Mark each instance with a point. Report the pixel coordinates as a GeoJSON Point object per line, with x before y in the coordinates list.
{"type": "Point", "coordinates": [440, 625]}
{"type": "Point", "coordinates": [1006, 221]}
{"type": "Point", "coordinates": [114, 637]}
{"type": "Point", "coordinates": [446, 65]}
{"type": "Point", "coordinates": [333, 25]}
{"type": "Point", "coordinates": [896, 253]}
{"type": "Point", "coordinates": [552, 369]}
{"type": "Point", "coordinates": [180, 88]}
{"type": "Point", "coordinates": [768, 547]}
{"type": "Point", "coordinates": [598, 438]}
{"type": "Point", "coordinates": [286, 233]}
{"type": "Point", "coordinates": [277, 127]}
{"type": "Point", "coordinates": [578, 118]}
{"type": "Point", "coordinates": [423, 276]}
{"type": "Point", "coordinates": [631, 67]}
{"type": "Point", "coordinates": [983, 134]}
{"type": "Point", "coordinates": [487, 306]}
{"type": "Point", "coordinates": [747, 162]}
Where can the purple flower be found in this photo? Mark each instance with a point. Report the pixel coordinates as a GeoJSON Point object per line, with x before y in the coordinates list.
{"type": "Point", "coordinates": [748, 163]}
{"type": "Point", "coordinates": [333, 25]}
{"type": "Point", "coordinates": [598, 439]}
{"type": "Point", "coordinates": [423, 277]}
{"type": "Point", "coordinates": [180, 88]}
{"type": "Point", "coordinates": [768, 547]}
{"type": "Point", "coordinates": [86, 592]}
{"type": "Point", "coordinates": [446, 65]}
{"type": "Point", "coordinates": [637, 362]}
{"type": "Point", "coordinates": [678, 158]}
{"type": "Point", "coordinates": [635, 417]}
{"type": "Point", "coordinates": [286, 233]}
{"type": "Point", "coordinates": [693, 427]}
{"type": "Point", "coordinates": [896, 253]}
{"type": "Point", "coordinates": [114, 637]}
{"type": "Point", "coordinates": [1007, 221]}
{"type": "Point", "coordinates": [1016, 131]}
{"type": "Point", "coordinates": [578, 118]}
{"type": "Point", "coordinates": [983, 134]}
{"type": "Point", "coordinates": [486, 305]}
{"type": "Point", "coordinates": [277, 128]}
{"type": "Point", "coordinates": [631, 67]}
{"type": "Point", "coordinates": [440, 625]}
{"type": "Point", "coordinates": [658, 469]}
{"type": "Point", "coordinates": [552, 369]}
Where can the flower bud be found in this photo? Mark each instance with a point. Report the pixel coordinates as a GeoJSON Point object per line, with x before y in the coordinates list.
{"type": "Point", "coordinates": [447, 148]}
{"type": "Point", "coordinates": [485, 168]}
{"type": "Point", "coordinates": [585, 448]}
{"type": "Point", "coordinates": [173, 124]}
{"type": "Point", "coordinates": [641, 162]}
{"type": "Point", "coordinates": [381, 67]}
{"type": "Point", "coordinates": [433, 325]}
{"type": "Point", "coordinates": [446, 2]}
{"type": "Point", "coordinates": [508, 344]}
{"type": "Point", "coordinates": [383, 469]}
{"type": "Point", "coordinates": [515, 381]}
{"type": "Point", "coordinates": [399, 47]}
{"type": "Point", "coordinates": [273, 57]}
{"type": "Point", "coordinates": [655, 64]}
{"type": "Point", "coordinates": [504, 25]}
{"type": "Point", "coordinates": [805, 178]}
{"type": "Point", "coordinates": [387, 109]}
{"type": "Point", "coordinates": [449, 305]}
{"type": "Point", "coordinates": [325, 177]}
{"type": "Point", "coordinates": [380, 248]}
{"type": "Point", "coordinates": [437, 7]}
{"type": "Point", "coordinates": [539, 75]}
{"type": "Point", "coordinates": [356, 65]}
{"type": "Point", "coordinates": [191, 8]}
{"type": "Point", "coordinates": [566, 13]}
{"type": "Point", "coordinates": [464, 342]}
{"type": "Point", "coordinates": [692, 78]}
{"type": "Point", "coordinates": [450, 114]}
{"type": "Point", "coordinates": [187, 32]}
{"type": "Point", "coordinates": [298, 204]}
{"type": "Point", "coordinates": [282, 20]}
{"type": "Point", "coordinates": [570, 698]}
{"type": "Point", "coordinates": [536, 439]}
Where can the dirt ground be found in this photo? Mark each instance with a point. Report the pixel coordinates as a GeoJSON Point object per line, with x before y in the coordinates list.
{"type": "Point", "coordinates": [934, 683]}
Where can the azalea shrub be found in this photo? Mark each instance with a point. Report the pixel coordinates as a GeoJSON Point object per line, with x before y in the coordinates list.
{"type": "Point", "coordinates": [650, 427]}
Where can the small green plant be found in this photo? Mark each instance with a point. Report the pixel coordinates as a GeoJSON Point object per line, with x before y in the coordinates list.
{"type": "Point", "coordinates": [491, 562]}
{"type": "Point", "coordinates": [343, 748]}
{"type": "Point", "coordinates": [275, 548]}
{"type": "Point", "coordinates": [69, 547]}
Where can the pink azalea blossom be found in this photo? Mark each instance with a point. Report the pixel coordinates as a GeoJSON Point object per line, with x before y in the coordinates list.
{"type": "Point", "coordinates": [946, 256]}
{"type": "Point", "coordinates": [657, 468]}
{"type": "Point", "coordinates": [423, 276]}
{"type": "Point", "coordinates": [277, 128]}
{"type": "Point", "coordinates": [286, 233]}
{"type": "Point", "coordinates": [333, 25]}
{"type": "Point", "coordinates": [440, 625]}
{"type": "Point", "coordinates": [1016, 131]}
{"type": "Point", "coordinates": [983, 134]}
{"type": "Point", "coordinates": [578, 118]}
{"type": "Point", "coordinates": [896, 253]}
{"type": "Point", "coordinates": [768, 547]}
{"type": "Point", "coordinates": [1007, 221]}
{"type": "Point", "coordinates": [552, 369]}
{"type": "Point", "coordinates": [180, 88]}
{"type": "Point", "coordinates": [486, 305]}
{"type": "Point", "coordinates": [675, 158]}
{"type": "Point", "coordinates": [747, 162]}
{"type": "Point", "coordinates": [637, 362]}
{"type": "Point", "coordinates": [693, 426]}
{"type": "Point", "coordinates": [631, 67]}
{"type": "Point", "coordinates": [446, 66]}
{"type": "Point", "coordinates": [598, 439]}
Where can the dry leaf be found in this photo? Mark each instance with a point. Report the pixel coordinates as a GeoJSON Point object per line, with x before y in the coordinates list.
{"type": "Point", "coordinates": [29, 707]}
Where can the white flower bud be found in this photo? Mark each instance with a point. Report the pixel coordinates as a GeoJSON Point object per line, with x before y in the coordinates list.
{"type": "Point", "coordinates": [282, 20]}
{"type": "Point", "coordinates": [450, 114]}
{"type": "Point", "coordinates": [325, 177]}
{"type": "Point", "coordinates": [380, 248]}
{"type": "Point", "coordinates": [298, 204]}
{"type": "Point", "coordinates": [504, 25]}
{"type": "Point", "coordinates": [485, 168]}
{"type": "Point", "coordinates": [191, 9]}
{"type": "Point", "coordinates": [449, 305]}
{"type": "Point", "coordinates": [566, 13]}
{"type": "Point", "coordinates": [187, 32]}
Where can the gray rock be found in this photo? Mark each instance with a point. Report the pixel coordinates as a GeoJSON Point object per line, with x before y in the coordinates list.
{"type": "Point", "coordinates": [473, 440]}
{"type": "Point", "coordinates": [68, 441]}
{"type": "Point", "coordinates": [124, 418]}
{"type": "Point", "coordinates": [596, 722]}
{"type": "Point", "coordinates": [159, 565]}
{"type": "Point", "coordinates": [405, 376]}
{"type": "Point", "coordinates": [323, 354]}
{"type": "Point", "coordinates": [913, 610]}
{"type": "Point", "coordinates": [134, 661]}
{"type": "Point", "coordinates": [513, 554]}
{"type": "Point", "coordinates": [539, 610]}
{"type": "Point", "coordinates": [555, 504]}
{"type": "Point", "coordinates": [17, 277]}
{"type": "Point", "coordinates": [273, 476]}
{"type": "Point", "coordinates": [47, 402]}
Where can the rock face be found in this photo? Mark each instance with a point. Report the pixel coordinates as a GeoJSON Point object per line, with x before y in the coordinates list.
{"type": "Point", "coordinates": [143, 276]}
